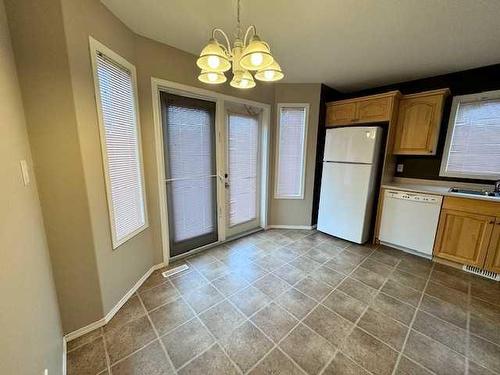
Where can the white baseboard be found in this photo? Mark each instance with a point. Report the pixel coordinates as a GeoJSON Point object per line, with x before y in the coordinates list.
{"type": "Point", "coordinates": [65, 352]}
{"type": "Point", "coordinates": [101, 322]}
{"type": "Point", "coordinates": [306, 227]}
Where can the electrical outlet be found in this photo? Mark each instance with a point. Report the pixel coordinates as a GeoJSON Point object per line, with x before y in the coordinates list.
{"type": "Point", "coordinates": [399, 168]}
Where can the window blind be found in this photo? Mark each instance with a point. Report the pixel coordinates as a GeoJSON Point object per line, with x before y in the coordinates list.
{"type": "Point", "coordinates": [243, 132]}
{"type": "Point", "coordinates": [121, 149]}
{"type": "Point", "coordinates": [291, 138]}
{"type": "Point", "coordinates": [474, 149]}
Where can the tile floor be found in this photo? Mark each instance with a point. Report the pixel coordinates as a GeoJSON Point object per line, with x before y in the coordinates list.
{"type": "Point", "coordinates": [300, 302]}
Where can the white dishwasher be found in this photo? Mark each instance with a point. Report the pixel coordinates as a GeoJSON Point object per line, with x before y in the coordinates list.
{"type": "Point", "coordinates": [409, 221]}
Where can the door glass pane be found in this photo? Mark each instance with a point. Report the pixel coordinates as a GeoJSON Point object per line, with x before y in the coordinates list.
{"type": "Point", "coordinates": [189, 129]}
{"type": "Point", "coordinates": [243, 146]}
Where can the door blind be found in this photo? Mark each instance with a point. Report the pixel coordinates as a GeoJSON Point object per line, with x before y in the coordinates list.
{"type": "Point", "coordinates": [291, 138]}
{"type": "Point", "coordinates": [475, 144]}
{"type": "Point", "coordinates": [243, 134]}
{"type": "Point", "coordinates": [121, 149]}
{"type": "Point", "coordinates": [189, 137]}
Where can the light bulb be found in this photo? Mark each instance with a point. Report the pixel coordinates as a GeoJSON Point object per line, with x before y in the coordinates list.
{"type": "Point", "coordinates": [213, 62]}
{"type": "Point", "coordinates": [256, 59]}
{"type": "Point", "coordinates": [269, 74]}
{"type": "Point", "coordinates": [212, 77]}
{"type": "Point", "coordinates": [244, 82]}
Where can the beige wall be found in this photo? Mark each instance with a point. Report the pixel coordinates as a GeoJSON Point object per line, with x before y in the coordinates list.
{"type": "Point", "coordinates": [30, 329]}
{"type": "Point", "coordinates": [296, 211]}
{"type": "Point", "coordinates": [51, 43]}
{"type": "Point", "coordinates": [119, 269]}
{"type": "Point", "coordinates": [40, 50]}
{"type": "Point", "coordinates": [90, 276]}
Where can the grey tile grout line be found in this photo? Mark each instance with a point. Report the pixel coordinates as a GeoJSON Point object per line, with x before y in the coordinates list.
{"type": "Point", "coordinates": [248, 319]}
{"type": "Point", "coordinates": [268, 273]}
{"type": "Point", "coordinates": [216, 341]}
{"type": "Point", "coordinates": [195, 269]}
{"type": "Point", "coordinates": [467, 337]}
{"type": "Point", "coordinates": [403, 347]}
{"type": "Point", "coordinates": [196, 317]}
{"type": "Point", "coordinates": [355, 325]}
{"type": "Point", "coordinates": [106, 352]}
{"type": "Point", "coordinates": [301, 321]}
{"type": "Point", "coordinates": [156, 332]}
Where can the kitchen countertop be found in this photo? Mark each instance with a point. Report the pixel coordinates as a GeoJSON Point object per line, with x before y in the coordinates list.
{"type": "Point", "coordinates": [435, 189]}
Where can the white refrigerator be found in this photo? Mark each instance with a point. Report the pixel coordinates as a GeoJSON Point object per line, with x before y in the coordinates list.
{"type": "Point", "coordinates": [348, 183]}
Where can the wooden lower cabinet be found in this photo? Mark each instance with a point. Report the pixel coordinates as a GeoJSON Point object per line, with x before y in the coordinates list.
{"type": "Point", "coordinates": [469, 233]}
{"type": "Point", "coordinates": [463, 237]}
{"type": "Point", "coordinates": [493, 257]}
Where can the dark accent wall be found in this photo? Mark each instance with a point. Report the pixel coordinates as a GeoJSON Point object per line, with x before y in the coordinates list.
{"type": "Point", "coordinates": [327, 95]}
{"type": "Point", "coordinates": [422, 167]}
{"type": "Point", "coordinates": [461, 83]}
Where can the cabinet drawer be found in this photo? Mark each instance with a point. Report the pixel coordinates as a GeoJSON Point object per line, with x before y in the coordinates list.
{"type": "Point", "coordinates": [374, 110]}
{"type": "Point", "coordinates": [340, 114]}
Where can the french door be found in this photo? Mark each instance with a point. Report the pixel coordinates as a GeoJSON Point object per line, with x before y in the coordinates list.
{"type": "Point", "coordinates": [190, 170]}
{"type": "Point", "coordinates": [243, 166]}
{"type": "Point", "coordinates": [212, 156]}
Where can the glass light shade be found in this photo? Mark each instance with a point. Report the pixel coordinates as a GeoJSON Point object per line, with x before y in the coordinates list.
{"type": "Point", "coordinates": [272, 73]}
{"type": "Point", "coordinates": [212, 78]}
{"type": "Point", "coordinates": [213, 58]}
{"type": "Point", "coordinates": [242, 80]}
{"type": "Point", "coordinates": [257, 55]}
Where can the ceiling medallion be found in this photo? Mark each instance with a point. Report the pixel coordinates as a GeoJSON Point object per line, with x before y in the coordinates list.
{"type": "Point", "coordinates": [245, 56]}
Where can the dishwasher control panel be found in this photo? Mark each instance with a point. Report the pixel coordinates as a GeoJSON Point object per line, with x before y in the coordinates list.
{"type": "Point", "coordinates": [423, 198]}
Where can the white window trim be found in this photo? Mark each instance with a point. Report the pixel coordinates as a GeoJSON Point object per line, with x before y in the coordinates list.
{"type": "Point", "coordinates": [304, 150]}
{"type": "Point", "coordinates": [95, 47]}
{"type": "Point", "coordinates": [457, 100]}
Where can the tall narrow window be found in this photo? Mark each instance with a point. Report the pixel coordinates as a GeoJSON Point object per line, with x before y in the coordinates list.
{"type": "Point", "coordinates": [291, 149]}
{"type": "Point", "coordinates": [116, 96]}
{"type": "Point", "coordinates": [472, 147]}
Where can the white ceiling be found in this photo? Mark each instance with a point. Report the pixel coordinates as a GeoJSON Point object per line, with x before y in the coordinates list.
{"type": "Point", "coordinates": [347, 44]}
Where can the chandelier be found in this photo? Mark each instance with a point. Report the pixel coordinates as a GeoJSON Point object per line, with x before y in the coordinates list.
{"type": "Point", "coordinates": [246, 55]}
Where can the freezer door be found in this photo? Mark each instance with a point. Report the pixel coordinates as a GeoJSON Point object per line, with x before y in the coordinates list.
{"type": "Point", "coordinates": [353, 144]}
{"type": "Point", "coordinates": [346, 200]}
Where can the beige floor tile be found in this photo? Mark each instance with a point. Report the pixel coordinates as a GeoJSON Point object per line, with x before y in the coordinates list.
{"type": "Point", "coordinates": [274, 321]}
{"type": "Point", "coordinates": [370, 353]}
{"type": "Point", "coordinates": [311, 351]}
{"type": "Point", "coordinates": [87, 359]}
{"type": "Point", "coordinates": [433, 355]}
{"type": "Point", "coordinates": [129, 338]}
{"type": "Point", "coordinates": [246, 346]}
{"type": "Point", "coordinates": [211, 362]}
{"type": "Point", "coordinates": [276, 363]}
{"type": "Point", "coordinates": [187, 341]}
{"type": "Point", "coordinates": [150, 360]}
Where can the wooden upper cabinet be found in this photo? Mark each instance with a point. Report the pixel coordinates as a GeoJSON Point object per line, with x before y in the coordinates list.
{"type": "Point", "coordinates": [419, 121]}
{"type": "Point", "coordinates": [340, 114]}
{"type": "Point", "coordinates": [375, 108]}
{"type": "Point", "coordinates": [463, 237]}
{"type": "Point", "coordinates": [468, 232]}
{"type": "Point", "coordinates": [493, 257]}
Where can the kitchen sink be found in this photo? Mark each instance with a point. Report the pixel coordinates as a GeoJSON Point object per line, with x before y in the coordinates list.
{"type": "Point", "coordinates": [475, 192]}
